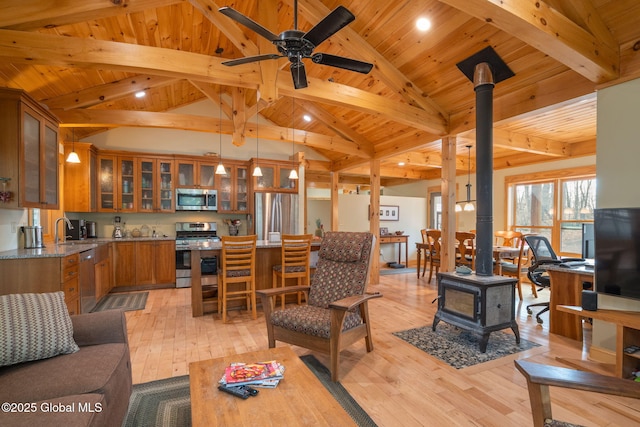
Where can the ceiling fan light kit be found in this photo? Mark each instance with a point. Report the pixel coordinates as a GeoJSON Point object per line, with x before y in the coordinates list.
{"type": "Point", "coordinates": [298, 45]}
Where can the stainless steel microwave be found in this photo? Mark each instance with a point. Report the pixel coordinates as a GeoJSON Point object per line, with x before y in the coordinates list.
{"type": "Point", "coordinates": [196, 199]}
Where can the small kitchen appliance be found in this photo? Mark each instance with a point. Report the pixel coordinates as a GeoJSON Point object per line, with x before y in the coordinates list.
{"type": "Point", "coordinates": [92, 229]}
{"type": "Point", "coordinates": [117, 229]}
{"type": "Point", "coordinates": [32, 236]}
{"type": "Point", "coordinates": [78, 232]}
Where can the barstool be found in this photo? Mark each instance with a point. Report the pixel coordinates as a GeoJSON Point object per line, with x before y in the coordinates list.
{"type": "Point", "coordinates": [238, 265]}
{"type": "Point", "coordinates": [295, 251]}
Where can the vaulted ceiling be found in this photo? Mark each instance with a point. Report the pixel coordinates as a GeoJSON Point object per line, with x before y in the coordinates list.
{"type": "Point", "coordinates": [85, 61]}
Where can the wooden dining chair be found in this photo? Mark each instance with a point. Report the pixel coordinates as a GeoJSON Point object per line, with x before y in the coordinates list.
{"type": "Point", "coordinates": [508, 238]}
{"type": "Point", "coordinates": [425, 240]}
{"type": "Point", "coordinates": [466, 249]}
{"type": "Point", "coordinates": [237, 266]}
{"type": "Point", "coordinates": [435, 246]}
{"type": "Point", "coordinates": [296, 255]}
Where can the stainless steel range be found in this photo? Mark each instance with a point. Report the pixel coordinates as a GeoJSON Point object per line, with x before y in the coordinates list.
{"type": "Point", "coordinates": [195, 235]}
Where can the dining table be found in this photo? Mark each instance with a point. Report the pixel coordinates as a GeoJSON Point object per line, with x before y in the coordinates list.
{"type": "Point", "coordinates": [499, 252]}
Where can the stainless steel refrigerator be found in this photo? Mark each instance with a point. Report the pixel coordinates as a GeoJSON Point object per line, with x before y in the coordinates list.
{"type": "Point", "coordinates": [276, 213]}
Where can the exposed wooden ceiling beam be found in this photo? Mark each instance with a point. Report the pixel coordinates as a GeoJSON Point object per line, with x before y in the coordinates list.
{"type": "Point", "coordinates": [39, 14]}
{"type": "Point", "coordinates": [114, 118]}
{"type": "Point", "coordinates": [523, 143]}
{"type": "Point", "coordinates": [238, 116]}
{"type": "Point", "coordinates": [107, 92]}
{"type": "Point", "coordinates": [34, 48]}
{"type": "Point", "coordinates": [544, 28]}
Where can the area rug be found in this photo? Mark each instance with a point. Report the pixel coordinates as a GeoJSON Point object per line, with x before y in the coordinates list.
{"type": "Point", "coordinates": [390, 271]}
{"type": "Point", "coordinates": [459, 348]}
{"type": "Point", "coordinates": [161, 403]}
{"type": "Point", "coordinates": [126, 302]}
{"type": "Point", "coordinates": [339, 393]}
{"type": "Point", "coordinates": [166, 403]}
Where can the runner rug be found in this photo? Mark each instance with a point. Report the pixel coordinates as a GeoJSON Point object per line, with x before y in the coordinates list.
{"type": "Point", "coordinates": [166, 403]}
{"type": "Point", "coordinates": [459, 348]}
{"type": "Point", "coordinates": [126, 302]}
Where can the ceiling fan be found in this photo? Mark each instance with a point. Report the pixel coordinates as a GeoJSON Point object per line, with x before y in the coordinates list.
{"type": "Point", "coordinates": [297, 45]}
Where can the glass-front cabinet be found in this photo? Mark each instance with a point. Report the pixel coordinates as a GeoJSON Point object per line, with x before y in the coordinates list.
{"type": "Point", "coordinates": [275, 177]}
{"type": "Point", "coordinates": [195, 174]}
{"type": "Point", "coordinates": [233, 191]}
{"type": "Point", "coordinates": [156, 185]}
{"type": "Point", "coordinates": [117, 184]}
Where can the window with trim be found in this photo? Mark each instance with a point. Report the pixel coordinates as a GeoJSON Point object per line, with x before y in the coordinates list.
{"type": "Point", "coordinates": [555, 207]}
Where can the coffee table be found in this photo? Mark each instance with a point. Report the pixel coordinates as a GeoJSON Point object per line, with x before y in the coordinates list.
{"type": "Point", "coordinates": [299, 399]}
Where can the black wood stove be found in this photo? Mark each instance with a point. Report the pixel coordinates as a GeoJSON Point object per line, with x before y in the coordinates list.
{"type": "Point", "coordinates": [481, 304]}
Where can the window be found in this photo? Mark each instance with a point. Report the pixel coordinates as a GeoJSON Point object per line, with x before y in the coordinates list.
{"type": "Point", "coordinates": [435, 214]}
{"type": "Point", "coordinates": [553, 207]}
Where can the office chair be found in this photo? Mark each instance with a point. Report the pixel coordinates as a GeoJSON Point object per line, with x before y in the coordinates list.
{"type": "Point", "coordinates": [543, 255]}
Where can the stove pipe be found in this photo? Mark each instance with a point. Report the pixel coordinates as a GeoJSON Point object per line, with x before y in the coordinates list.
{"type": "Point", "coordinates": [483, 86]}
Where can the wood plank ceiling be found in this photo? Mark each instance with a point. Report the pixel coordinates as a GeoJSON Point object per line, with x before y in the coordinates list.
{"type": "Point", "coordinates": [85, 61]}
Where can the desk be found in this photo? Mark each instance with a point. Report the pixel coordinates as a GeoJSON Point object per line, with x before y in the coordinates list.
{"type": "Point", "coordinates": [628, 333]}
{"type": "Point", "coordinates": [498, 253]}
{"type": "Point", "coordinates": [394, 238]}
{"type": "Point", "coordinates": [566, 289]}
{"type": "Point", "coordinates": [299, 396]}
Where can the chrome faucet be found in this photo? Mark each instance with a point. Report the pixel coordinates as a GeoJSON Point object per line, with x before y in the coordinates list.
{"type": "Point", "coordinates": [55, 238]}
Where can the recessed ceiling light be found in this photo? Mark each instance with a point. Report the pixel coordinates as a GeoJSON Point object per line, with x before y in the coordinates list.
{"type": "Point", "coordinates": [307, 118]}
{"type": "Point", "coordinates": [140, 94]}
{"type": "Point", "coordinates": [400, 163]}
{"type": "Point", "coordinates": [423, 24]}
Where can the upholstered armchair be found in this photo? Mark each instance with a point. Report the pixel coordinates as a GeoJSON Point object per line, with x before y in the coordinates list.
{"type": "Point", "coordinates": [336, 314]}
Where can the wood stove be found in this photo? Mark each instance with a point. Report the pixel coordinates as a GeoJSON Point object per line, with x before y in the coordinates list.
{"type": "Point", "coordinates": [481, 304]}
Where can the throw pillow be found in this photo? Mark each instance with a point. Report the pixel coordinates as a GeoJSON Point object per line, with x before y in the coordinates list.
{"type": "Point", "coordinates": [34, 327]}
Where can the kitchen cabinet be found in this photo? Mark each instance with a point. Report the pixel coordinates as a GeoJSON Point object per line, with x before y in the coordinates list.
{"type": "Point", "coordinates": [103, 270]}
{"type": "Point", "coordinates": [45, 274]}
{"type": "Point", "coordinates": [124, 263]}
{"type": "Point", "coordinates": [80, 178]}
{"type": "Point", "coordinates": [275, 177]}
{"type": "Point", "coordinates": [144, 262]}
{"type": "Point", "coordinates": [117, 185]}
{"type": "Point", "coordinates": [156, 185]}
{"type": "Point", "coordinates": [70, 282]}
{"type": "Point", "coordinates": [29, 147]}
{"type": "Point", "coordinates": [233, 189]}
{"type": "Point", "coordinates": [155, 262]}
{"type": "Point", "coordinates": [196, 173]}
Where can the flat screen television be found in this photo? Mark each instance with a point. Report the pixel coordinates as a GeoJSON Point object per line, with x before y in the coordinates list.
{"type": "Point", "coordinates": [617, 251]}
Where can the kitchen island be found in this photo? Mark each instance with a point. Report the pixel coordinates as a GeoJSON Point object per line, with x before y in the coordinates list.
{"type": "Point", "coordinates": [268, 254]}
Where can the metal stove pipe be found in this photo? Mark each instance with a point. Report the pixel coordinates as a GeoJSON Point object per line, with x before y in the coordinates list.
{"type": "Point", "coordinates": [483, 86]}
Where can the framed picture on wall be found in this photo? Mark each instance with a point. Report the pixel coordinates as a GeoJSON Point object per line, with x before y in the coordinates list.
{"type": "Point", "coordinates": [389, 213]}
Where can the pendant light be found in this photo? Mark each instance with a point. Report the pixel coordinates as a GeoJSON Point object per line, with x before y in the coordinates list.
{"type": "Point", "coordinates": [468, 204]}
{"type": "Point", "coordinates": [257, 171]}
{"type": "Point", "coordinates": [220, 170]}
{"type": "Point", "coordinates": [294, 173]}
{"type": "Point", "coordinates": [73, 156]}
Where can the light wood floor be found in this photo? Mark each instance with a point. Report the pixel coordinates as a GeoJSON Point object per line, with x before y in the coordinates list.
{"type": "Point", "coordinates": [397, 384]}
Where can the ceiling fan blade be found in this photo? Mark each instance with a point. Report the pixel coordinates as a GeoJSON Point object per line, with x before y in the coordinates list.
{"type": "Point", "coordinates": [249, 59]}
{"type": "Point", "coordinates": [249, 23]}
{"type": "Point", "coordinates": [299, 75]}
{"type": "Point", "coordinates": [342, 62]}
{"type": "Point", "coordinates": [334, 21]}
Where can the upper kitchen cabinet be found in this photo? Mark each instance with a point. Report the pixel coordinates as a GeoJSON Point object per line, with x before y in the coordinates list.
{"type": "Point", "coordinates": [29, 147]}
{"type": "Point", "coordinates": [233, 189]}
{"type": "Point", "coordinates": [275, 177]}
{"type": "Point", "coordinates": [117, 184]}
{"type": "Point", "coordinates": [80, 178]}
{"type": "Point", "coordinates": [156, 185]}
{"type": "Point", "coordinates": [195, 174]}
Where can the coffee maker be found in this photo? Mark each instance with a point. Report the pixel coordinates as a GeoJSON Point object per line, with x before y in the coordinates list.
{"type": "Point", "coordinates": [79, 230]}
{"type": "Point", "coordinates": [117, 228]}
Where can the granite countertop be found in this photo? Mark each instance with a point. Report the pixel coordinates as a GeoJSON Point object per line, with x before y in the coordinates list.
{"type": "Point", "coordinates": [71, 247]}
{"type": "Point", "coordinates": [260, 244]}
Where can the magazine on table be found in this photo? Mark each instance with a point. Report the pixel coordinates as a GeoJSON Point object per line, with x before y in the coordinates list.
{"type": "Point", "coordinates": [260, 374]}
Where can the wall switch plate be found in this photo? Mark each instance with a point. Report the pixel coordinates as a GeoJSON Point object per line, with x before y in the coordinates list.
{"type": "Point", "coordinates": [14, 227]}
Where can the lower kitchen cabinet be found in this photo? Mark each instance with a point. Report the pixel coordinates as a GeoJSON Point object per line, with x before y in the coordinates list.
{"type": "Point", "coordinates": [103, 270]}
{"type": "Point", "coordinates": [148, 262]}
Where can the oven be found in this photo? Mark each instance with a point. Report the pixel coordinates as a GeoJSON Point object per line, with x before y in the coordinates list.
{"type": "Point", "coordinates": [195, 235]}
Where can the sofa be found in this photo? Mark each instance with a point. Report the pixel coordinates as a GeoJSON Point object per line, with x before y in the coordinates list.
{"type": "Point", "coordinates": [88, 383]}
